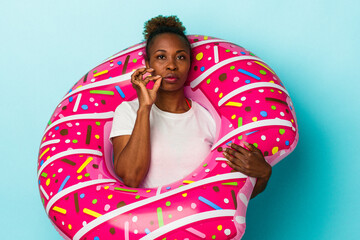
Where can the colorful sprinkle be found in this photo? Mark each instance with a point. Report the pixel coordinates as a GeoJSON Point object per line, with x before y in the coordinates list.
{"type": "Point", "coordinates": [125, 190]}
{"type": "Point", "coordinates": [91, 213]}
{"type": "Point", "coordinates": [248, 73]}
{"type": "Point", "coordinates": [263, 114]}
{"type": "Point", "coordinates": [199, 56]}
{"type": "Point", "coordinates": [101, 73]}
{"type": "Point", "coordinates": [209, 203]}
{"type": "Point", "coordinates": [160, 217]}
{"type": "Point", "coordinates": [84, 164]}
{"type": "Point", "coordinates": [102, 92]}
{"type": "Point", "coordinates": [63, 183]}
{"type": "Point", "coordinates": [60, 210]}
{"type": "Point", "coordinates": [118, 89]}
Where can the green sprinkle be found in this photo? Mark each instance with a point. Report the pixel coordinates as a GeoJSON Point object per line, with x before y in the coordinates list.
{"type": "Point", "coordinates": [227, 50]}
{"type": "Point", "coordinates": [240, 137]}
{"type": "Point", "coordinates": [134, 60]}
{"type": "Point", "coordinates": [102, 92]}
{"type": "Point", "coordinates": [240, 121]}
{"type": "Point", "coordinates": [232, 67]}
{"type": "Point", "coordinates": [168, 204]}
{"type": "Point", "coordinates": [213, 236]}
{"type": "Point", "coordinates": [271, 90]}
{"type": "Point", "coordinates": [95, 71]}
{"type": "Point", "coordinates": [160, 217]}
{"type": "Point", "coordinates": [125, 190]}
{"type": "Point", "coordinates": [44, 174]}
{"type": "Point", "coordinates": [281, 131]}
{"type": "Point", "coordinates": [87, 174]}
{"type": "Point", "coordinates": [94, 201]}
{"type": "Point", "coordinates": [49, 123]}
{"type": "Point", "coordinates": [230, 183]}
{"type": "Point", "coordinates": [75, 141]}
{"type": "Point", "coordinates": [97, 123]}
{"type": "Point", "coordinates": [252, 54]}
{"type": "Point", "coordinates": [43, 200]}
{"type": "Point", "coordinates": [170, 216]}
{"type": "Point", "coordinates": [208, 81]}
{"type": "Point", "coordinates": [54, 175]}
{"type": "Point", "coordinates": [205, 165]}
{"type": "Point", "coordinates": [273, 107]}
{"type": "Point", "coordinates": [262, 72]}
{"type": "Point", "coordinates": [137, 196]}
{"type": "Point", "coordinates": [255, 145]}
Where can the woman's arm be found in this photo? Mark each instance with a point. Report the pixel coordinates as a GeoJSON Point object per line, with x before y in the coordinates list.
{"type": "Point", "coordinates": [250, 162]}
{"type": "Point", "coordinates": [132, 152]}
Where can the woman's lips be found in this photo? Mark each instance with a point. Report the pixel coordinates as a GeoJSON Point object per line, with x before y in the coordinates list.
{"type": "Point", "coordinates": [171, 78]}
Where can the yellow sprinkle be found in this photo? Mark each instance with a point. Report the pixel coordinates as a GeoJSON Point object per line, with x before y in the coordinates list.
{"type": "Point", "coordinates": [70, 227]}
{"type": "Point", "coordinates": [47, 157]}
{"type": "Point", "coordinates": [280, 92]}
{"type": "Point", "coordinates": [219, 227]}
{"type": "Point", "coordinates": [275, 150]}
{"type": "Point", "coordinates": [271, 81]}
{"type": "Point", "coordinates": [233, 116]}
{"type": "Point", "coordinates": [221, 95]}
{"type": "Point", "coordinates": [44, 152]}
{"type": "Point", "coordinates": [100, 73]}
{"type": "Point", "coordinates": [44, 138]}
{"type": "Point", "coordinates": [206, 37]}
{"type": "Point", "coordinates": [60, 210]}
{"type": "Point", "coordinates": [97, 136]}
{"type": "Point", "coordinates": [84, 164]}
{"type": "Point", "coordinates": [79, 177]}
{"type": "Point", "coordinates": [292, 120]}
{"type": "Point", "coordinates": [199, 56]}
{"type": "Point", "coordinates": [79, 86]}
{"type": "Point", "coordinates": [234, 104]}
{"type": "Point", "coordinates": [184, 194]}
{"type": "Point", "coordinates": [110, 196]}
{"type": "Point", "coordinates": [265, 67]}
{"type": "Point", "coordinates": [91, 212]}
{"type": "Point", "coordinates": [188, 181]}
{"type": "Point", "coordinates": [254, 119]}
{"type": "Point", "coordinates": [148, 191]}
{"type": "Point", "coordinates": [106, 187]}
{"type": "Point", "coordinates": [48, 182]}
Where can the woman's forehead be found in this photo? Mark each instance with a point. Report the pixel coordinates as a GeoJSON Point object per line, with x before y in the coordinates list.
{"type": "Point", "coordinates": [167, 42]}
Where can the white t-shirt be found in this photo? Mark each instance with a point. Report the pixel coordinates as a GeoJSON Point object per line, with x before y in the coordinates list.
{"type": "Point", "coordinates": [179, 141]}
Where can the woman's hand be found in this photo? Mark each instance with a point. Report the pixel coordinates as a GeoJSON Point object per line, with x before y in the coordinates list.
{"type": "Point", "coordinates": [146, 96]}
{"type": "Point", "coordinates": [249, 162]}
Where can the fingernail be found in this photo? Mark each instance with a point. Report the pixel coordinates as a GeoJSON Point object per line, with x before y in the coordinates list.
{"type": "Point", "coordinates": [225, 154]}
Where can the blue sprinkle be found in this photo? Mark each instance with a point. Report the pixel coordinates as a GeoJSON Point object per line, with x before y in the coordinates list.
{"type": "Point", "coordinates": [243, 53]}
{"type": "Point", "coordinates": [96, 238]}
{"type": "Point", "coordinates": [287, 143]}
{"type": "Point", "coordinates": [119, 62]}
{"type": "Point", "coordinates": [57, 128]}
{"type": "Point", "coordinates": [63, 183]}
{"type": "Point", "coordinates": [202, 68]}
{"type": "Point", "coordinates": [228, 143]}
{"type": "Point", "coordinates": [248, 73]}
{"type": "Point", "coordinates": [247, 81]}
{"type": "Point", "coordinates": [39, 182]}
{"type": "Point", "coordinates": [42, 162]}
{"type": "Point", "coordinates": [211, 204]}
{"type": "Point", "coordinates": [290, 107]}
{"type": "Point", "coordinates": [118, 89]}
{"type": "Point", "coordinates": [71, 99]}
{"type": "Point", "coordinates": [168, 188]}
{"type": "Point", "coordinates": [82, 195]}
{"type": "Point", "coordinates": [84, 107]}
{"type": "Point", "coordinates": [70, 91]}
{"type": "Point", "coordinates": [147, 231]}
{"type": "Point", "coordinates": [263, 113]}
{"type": "Point", "coordinates": [251, 132]}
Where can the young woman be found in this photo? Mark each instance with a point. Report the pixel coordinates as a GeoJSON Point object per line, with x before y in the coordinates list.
{"type": "Point", "coordinates": [162, 136]}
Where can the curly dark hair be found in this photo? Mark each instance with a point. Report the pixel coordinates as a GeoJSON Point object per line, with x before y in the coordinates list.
{"type": "Point", "coordinates": [162, 24]}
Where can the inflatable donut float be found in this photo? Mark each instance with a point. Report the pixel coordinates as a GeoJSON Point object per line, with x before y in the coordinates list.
{"type": "Point", "coordinates": [84, 198]}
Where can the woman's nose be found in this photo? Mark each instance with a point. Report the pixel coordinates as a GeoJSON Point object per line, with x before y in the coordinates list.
{"type": "Point", "coordinates": [172, 65]}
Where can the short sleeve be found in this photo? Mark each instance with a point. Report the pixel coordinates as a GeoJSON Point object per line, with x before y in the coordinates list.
{"type": "Point", "coordinates": [123, 121]}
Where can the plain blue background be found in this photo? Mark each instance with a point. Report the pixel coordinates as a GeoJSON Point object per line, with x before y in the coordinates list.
{"type": "Point", "coordinates": [46, 46]}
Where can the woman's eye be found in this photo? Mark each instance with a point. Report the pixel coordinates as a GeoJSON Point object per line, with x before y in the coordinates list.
{"type": "Point", "coordinates": [181, 57]}
{"type": "Point", "coordinates": [160, 57]}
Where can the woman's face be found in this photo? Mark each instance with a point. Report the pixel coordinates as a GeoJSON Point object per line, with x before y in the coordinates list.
{"type": "Point", "coordinates": [169, 56]}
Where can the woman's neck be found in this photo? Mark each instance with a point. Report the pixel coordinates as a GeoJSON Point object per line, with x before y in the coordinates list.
{"type": "Point", "coordinates": [174, 102]}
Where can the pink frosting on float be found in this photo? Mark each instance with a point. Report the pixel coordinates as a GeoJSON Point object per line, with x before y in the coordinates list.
{"type": "Point", "coordinates": [83, 196]}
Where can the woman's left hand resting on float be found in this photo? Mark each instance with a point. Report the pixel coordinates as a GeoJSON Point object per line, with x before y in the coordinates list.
{"type": "Point", "coordinates": [249, 162]}
{"type": "Point", "coordinates": [132, 152]}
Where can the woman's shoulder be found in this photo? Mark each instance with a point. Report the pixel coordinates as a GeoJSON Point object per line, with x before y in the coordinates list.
{"type": "Point", "coordinates": [128, 106]}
